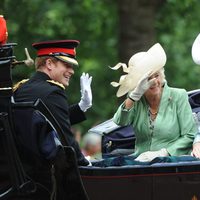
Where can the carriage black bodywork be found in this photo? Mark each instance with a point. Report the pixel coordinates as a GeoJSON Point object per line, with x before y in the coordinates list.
{"type": "Point", "coordinates": [174, 180]}
{"type": "Point", "coordinates": [155, 182]}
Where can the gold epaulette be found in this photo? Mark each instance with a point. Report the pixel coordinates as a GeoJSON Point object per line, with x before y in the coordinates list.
{"type": "Point", "coordinates": [57, 83]}
{"type": "Point", "coordinates": [17, 85]}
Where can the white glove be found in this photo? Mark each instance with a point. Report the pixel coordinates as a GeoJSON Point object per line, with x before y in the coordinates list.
{"type": "Point", "coordinates": [143, 85]}
{"type": "Point", "coordinates": [196, 150]}
{"type": "Point", "coordinates": [86, 92]}
{"type": "Point", "coordinates": [150, 155]}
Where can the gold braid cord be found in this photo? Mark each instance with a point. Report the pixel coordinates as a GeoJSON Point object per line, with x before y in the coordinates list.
{"type": "Point", "coordinates": [17, 85]}
{"type": "Point", "coordinates": [57, 83]}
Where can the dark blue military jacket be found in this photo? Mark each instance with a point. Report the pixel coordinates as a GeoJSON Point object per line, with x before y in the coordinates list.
{"type": "Point", "coordinates": [55, 98]}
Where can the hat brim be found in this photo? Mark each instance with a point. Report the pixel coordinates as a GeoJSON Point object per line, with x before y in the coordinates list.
{"type": "Point", "coordinates": [68, 60]}
{"type": "Point", "coordinates": [151, 61]}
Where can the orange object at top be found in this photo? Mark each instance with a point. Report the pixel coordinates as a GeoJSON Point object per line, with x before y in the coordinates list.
{"type": "Point", "coordinates": [3, 30]}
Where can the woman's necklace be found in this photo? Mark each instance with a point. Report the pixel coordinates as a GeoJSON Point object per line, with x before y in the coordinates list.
{"type": "Point", "coordinates": [152, 116]}
{"type": "Point", "coordinates": [151, 122]}
{"type": "Point", "coordinates": [153, 113]}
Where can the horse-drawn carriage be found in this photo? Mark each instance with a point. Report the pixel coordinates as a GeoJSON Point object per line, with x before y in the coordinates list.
{"type": "Point", "coordinates": [122, 178]}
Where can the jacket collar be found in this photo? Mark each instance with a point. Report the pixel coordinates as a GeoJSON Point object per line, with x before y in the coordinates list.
{"type": "Point", "coordinates": [41, 75]}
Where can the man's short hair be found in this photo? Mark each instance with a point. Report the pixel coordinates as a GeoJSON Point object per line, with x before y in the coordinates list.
{"type": "Point", "coordinates": [41, 61]}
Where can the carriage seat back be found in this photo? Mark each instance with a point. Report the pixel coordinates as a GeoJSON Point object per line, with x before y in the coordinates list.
{"type": "Point", "coordinates": [34, 133]}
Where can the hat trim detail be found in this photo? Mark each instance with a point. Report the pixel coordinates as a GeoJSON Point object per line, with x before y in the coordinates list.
{"type": "Point", "coordinates": [67, 60]}
{"type": "Point", "coordinates": [49, 51]}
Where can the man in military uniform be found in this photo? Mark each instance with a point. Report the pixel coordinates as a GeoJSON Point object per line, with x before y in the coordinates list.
{"type": "Point", "coordinates": [55, 64]}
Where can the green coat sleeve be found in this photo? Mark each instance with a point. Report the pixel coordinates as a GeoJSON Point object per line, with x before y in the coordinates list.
{"type": "Point", "coordinates": [123, 116]}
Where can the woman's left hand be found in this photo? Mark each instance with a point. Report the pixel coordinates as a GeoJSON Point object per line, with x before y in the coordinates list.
{"type": "Point", "coordinates": [196, 150]}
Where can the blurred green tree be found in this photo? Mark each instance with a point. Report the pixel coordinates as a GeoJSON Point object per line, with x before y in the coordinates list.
{"type": "Point", "coordinates": [110, 32]}
{"type": "Point", "coordinates": [177, 25]}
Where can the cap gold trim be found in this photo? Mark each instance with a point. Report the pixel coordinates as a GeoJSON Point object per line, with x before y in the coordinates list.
{"type": "Point", "coordinates": [68, 60]}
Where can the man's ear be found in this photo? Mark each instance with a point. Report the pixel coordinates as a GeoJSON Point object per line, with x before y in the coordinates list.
{"type": "Point", "coordinates": [49, 63]}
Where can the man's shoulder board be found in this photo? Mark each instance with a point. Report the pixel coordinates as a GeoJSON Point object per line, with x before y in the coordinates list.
{"type": "Point", "coordinates": [56, 83]}
{"type": "Point", "coordinates": [17, 85]}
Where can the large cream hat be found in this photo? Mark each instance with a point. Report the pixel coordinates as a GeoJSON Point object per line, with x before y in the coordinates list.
{"type": "Point", "coordinates": [139, 64]}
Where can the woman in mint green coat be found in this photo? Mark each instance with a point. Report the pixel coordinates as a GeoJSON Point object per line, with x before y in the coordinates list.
{"type": "Point", "coordinates": [161, 115]}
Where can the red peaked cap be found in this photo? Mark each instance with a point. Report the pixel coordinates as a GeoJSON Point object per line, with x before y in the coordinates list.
{"type": "Point", "coordinates": [3, 30]}
{"type": "Point", "coordinates": [64, 50]}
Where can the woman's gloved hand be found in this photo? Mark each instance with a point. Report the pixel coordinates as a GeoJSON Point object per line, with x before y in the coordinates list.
{"type": "Point", "coordinates": [86, 92]}
{"type": "Point", "coordinates": [196, 150]}
{"type": "Point", "coordinates": [143, 85]}
{"type": "Point", "coordinates": [150, 155]}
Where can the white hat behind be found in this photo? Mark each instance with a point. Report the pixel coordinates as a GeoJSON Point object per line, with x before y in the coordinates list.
{"type": "Point", "coordinates": [196, 50]}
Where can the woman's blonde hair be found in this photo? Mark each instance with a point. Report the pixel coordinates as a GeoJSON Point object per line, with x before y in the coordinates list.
{"type": "Point", "coordinates": [162, 75]}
